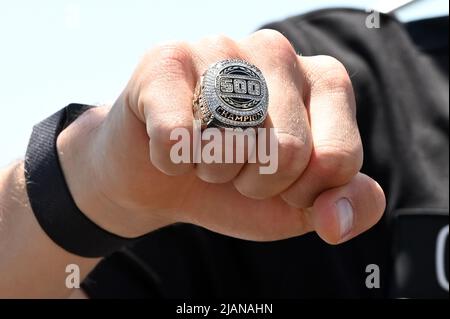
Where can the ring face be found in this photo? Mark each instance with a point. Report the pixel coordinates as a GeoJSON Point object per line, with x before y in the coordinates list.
{"type": "Point", "coordinates": [232, 93]}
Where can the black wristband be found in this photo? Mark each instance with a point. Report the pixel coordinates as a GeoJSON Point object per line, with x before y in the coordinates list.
{"type": "Point", "coordinates": [50, 198]}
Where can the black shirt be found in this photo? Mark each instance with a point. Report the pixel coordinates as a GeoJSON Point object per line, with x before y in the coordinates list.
{"type": "Point", "coordinates": [400, 76]}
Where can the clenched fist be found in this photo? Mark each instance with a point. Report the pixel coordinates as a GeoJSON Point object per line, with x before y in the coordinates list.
{"type": "Point", "coordinates": [121, 174]}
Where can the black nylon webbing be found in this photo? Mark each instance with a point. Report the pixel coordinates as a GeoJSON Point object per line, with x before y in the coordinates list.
{"type": "Point", "coordinates": [50, 198]}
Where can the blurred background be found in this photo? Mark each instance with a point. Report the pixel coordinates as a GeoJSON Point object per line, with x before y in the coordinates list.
{"type": "Point", "coordinates": [54, 52]}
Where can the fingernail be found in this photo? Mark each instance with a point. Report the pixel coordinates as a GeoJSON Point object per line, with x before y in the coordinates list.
{"type": "Point", "coordinates": [345, 215]}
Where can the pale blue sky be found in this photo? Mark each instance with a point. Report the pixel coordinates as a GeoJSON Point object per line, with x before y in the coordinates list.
{"type": "Point", "coordinates": [53, 52]}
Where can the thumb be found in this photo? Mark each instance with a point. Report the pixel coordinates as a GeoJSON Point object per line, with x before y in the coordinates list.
{"type": "Point", "coordinates": [342, 213]}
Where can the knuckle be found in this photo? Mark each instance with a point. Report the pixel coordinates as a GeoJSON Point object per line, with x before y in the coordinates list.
{"type": "Point", "coordinates": [330, 63]}
{"type": "Point", "coordinates": [222, 43]}
{"type": "Point", "coordinates": [215, 174]}
{"type": "Point", "coordinates": [277, 44]}
{"type": "Point", "coordinates": [272, 36]}
{"type": "Point", "coordinates": [333, 74]}
{"type": "Point", "coordinates": [163, 135]}
{"type": "Point", "coordinates": [337, 164]}
{"type": "Point", "coordinates": [293, 154]}
{"type": "Point", "coordinates": [248, 190]}
{"type": "Point", "coordinates": [166, 127]}
{"type": "Point", "coordinates": [172, 58]}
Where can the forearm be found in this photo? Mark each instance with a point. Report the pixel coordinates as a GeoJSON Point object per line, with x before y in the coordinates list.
{"type": "Point", "coordinates": [31, 264]}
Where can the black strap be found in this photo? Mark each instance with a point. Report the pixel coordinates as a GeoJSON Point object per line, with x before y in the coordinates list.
{"type": "Point", "coordinates": [50, 197]}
